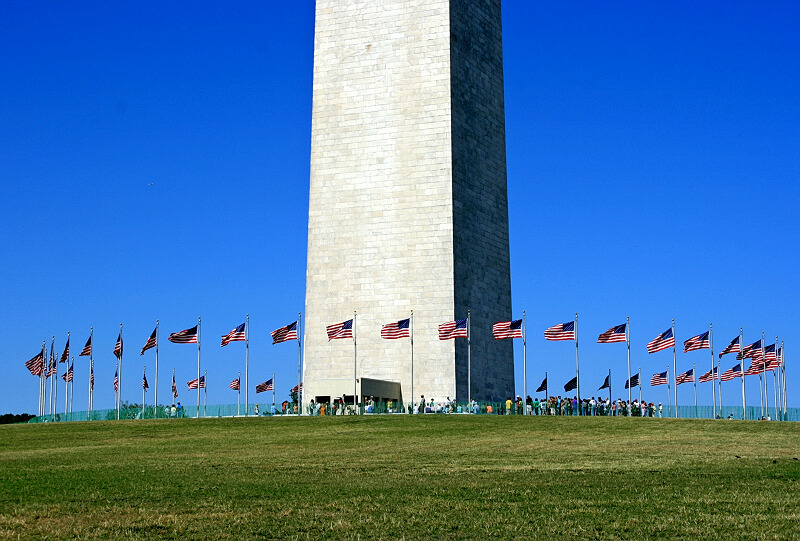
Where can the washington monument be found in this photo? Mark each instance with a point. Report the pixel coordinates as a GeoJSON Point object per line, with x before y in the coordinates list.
{"type": "Point", "coordinates": [408, 203]}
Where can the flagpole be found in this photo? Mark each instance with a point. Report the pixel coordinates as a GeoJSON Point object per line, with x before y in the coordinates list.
{"type": "Point", "coordinates": [577, 364]}
{"type": "Point", "coordinates": [411, 324]}
{"type": "Point", "coordinates": [741, 371]}
{"type": "Point", "coordinates": [761, 378]}
{"type": "Point", "coordinates": [121, 351]}
{"type": "Point", "coordinates": [675, 367]}
{"type": "Point", "coordinates": [355, 366]}
{"type": "Point", "coordinates": [144, 376]}
{"type": "Point", "coordinates": [628, 340]}
{"type": "Point", "coordinates": [246, 366]}
{"type": "Point", "coordinates": [91, 369]}
{"type": "Point", "coordinates": [66, 391]}
{"type": "Point", "coordinates": [300, 392]}
{"type": "Point", "coordinates": [609, 387]}
{"type": "Point", "coordinates": [40, 408]}
{"type": "Point", "coordinates": [469, 357]}
{"type": "Point", "coordinates": [72, 394]}
{"type": "Point", "coordinates": [713, 379]}
{"type": "Point", "coordinates": [669, 392]}
{"type": "Point", "coordinates": [155, 388]}
{"type": "Point", "coordinates": [546, 389]}
{"type": "Point", "coordinates": [299, 403]}
{"type": "Point", "coordinates": [198, 368]}
{"type": "Point", "coordinates": [524, 366]}
{"type": "Point", "coordinates": [640, 387]}
{"type": "Point", "coordinates": [783, 370]}
{"type": "Point", "coordinates": [205, 392]}
{"type": "Point", "coordinates": [775, 380]}
{"type": "Point", "coordinates": [54, 383]}
{"type": "Point", "coordinates": [694, 377]}
{"type": "Point", "coordinates": [239, 394]}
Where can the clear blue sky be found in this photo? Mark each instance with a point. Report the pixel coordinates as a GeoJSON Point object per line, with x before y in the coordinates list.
{"type": "Point", "coordinates": [155, 163]}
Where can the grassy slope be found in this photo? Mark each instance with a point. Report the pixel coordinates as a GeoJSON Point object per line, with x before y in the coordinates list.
{"type": "Point", "coordinates": [392, 477]}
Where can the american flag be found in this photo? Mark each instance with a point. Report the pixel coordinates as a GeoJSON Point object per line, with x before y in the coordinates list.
{"type": "Point", "coordinates": [68, 374]}
{"type": "Point", "coordinates": [614, 334]}
{"type": "Point", "coordinates": [686, 377]}
{"type": "Point", "coordinates": [632, 382]}
{"type": "Point", "coordinates": [116, 381]}
{"type": "Point", "coordinates": [708, 376]}
{"type": "Point", "coordinates": [340, 330]}
{"type": "Point", "coordinates": [606, 384]}
{"type": "Point", "coordinates": [236, 335]}
{"type": "Point", "coordinates": [52, 370]}
{"type": "Point", "coordinates": [696, 342]}
{"type": "Point", "coordinates": [118, 346]}
{"type": "Point", "coordinates": [543, 387]}
{"type": "Point", "coordinates": [658, 379]}
{"type": "Point", "coordinates": [145, 386]}
{"type": "Point", "coordinates": [453, 329]}
{"type": "Point", "coordinates": [36, 365]}
{"type": "Point", "coordinates": [235, 384]}
{"type": "Point", "coordinates": [294, 389]}
{"type": "Point", "coordinates": [750, 352]}
{"type": "Point", "coordinates": [755, 368]}
{"type": "Point", "coordinates": [65, 355]}
{"type": "Point", "coordinates": [398, 329]}
{"type": "Point", "coordinates": [663, 341]}
{"type": "Point", "coordinates": [733, 347]}
{"type": "Point", "coordinates": [193, 384]}
{"type": "Point", "coordinates": [174, 387]}
{"type": "Point", "coordinates": [187, 336]}
{"type": "Point", "coordinates": [266, 386]}
{"type": "Point", "coordinates": [507, 329]}
{"type": "Point", "coordinates": [571, 384]}
{"type": "Point", "coordinates": [769, 353]}
{"type": "Point", "coordinates": [87, 349]}
{"type": "Point", "coordinates": [289, 332]}
{"type": "Point", "coordinates": [562, 331]}
{"type": "Point", "coordinates": [731, 373]}
{"type": "Point", "coordinates": [151, 342]}
{"type": "Point", "coordinates": [91, 378]}
{"type": "Point", "coordinates": [772, 364]}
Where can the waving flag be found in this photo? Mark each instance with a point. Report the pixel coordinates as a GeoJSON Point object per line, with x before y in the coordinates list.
{"type": "Point", "coordinates": [686, 377]}
{"type": "Point", "coordinates": [68, 374]}
{"type": "Point", "coordinates": [194, 383]}
{"type": "Point", "coordinates": [751, 351]}
{"type": "Point", "coordinates": [118, 346]}
{"type": "Point", "coordinates": [36, 365]}
{"type": "Point", "coordinates": [266, 386]}
{"type": "Point", "coordinates": [453, 329]}
{"type": "Point", "coordinates": [398, 329]}
{"type": "Point", "coordinates": [507, 329]}
{"type": "Point", "coordinates": [91, 378]}
{"type": "Point", "coordinates": [606, 384]}
{"type": "Point", "coordinates": [116, 381]}
{"type": "Point", "coordinates": [562, 331]}
{"type": "Point", "coordinates": [235, 384]}
{"type": "Point", "coordinates": [65, 355]}
{"type": "Point", "coordinates": [571, 385]}
{"type": "Point", "coordinates": [340, 330]}
{"type": "Point", "coordinates": [295, 388]}
{"type": "Point", "coordinates": [236, 335]}
{"type": "Point", "coordinates": [151, 342]}
{"type": "Point", "coordinates": [755, 368]}
{"type": "Point", "coordinates": [731, 373]}
{"type": "Point", "coordinates": [174, 387]}
{"type": "Point", "coordinates": [632, 382]}
{"type": "Point", "coordinates": [145, 386]}
{"type": "Point", "coordinates": [663, 341]}
{"type": "Point", "coordinates": [188, 336]}
{"type": "Point", "coordinates": [87, 349]}
{"type": "Point", "coordinates": [543, 387]}
{"type": "Point", "coordinates": [733, 347]}
{"type": "Point", "coordinates": [614, 334]}
{"type": "Point", "coordinates": [708, 376]}
{"type": "Point", "coordinates": [53, 366]}
{"type": "Point", "coordinates": [289, 332]}
{"type": "Point", "coordinates": [696, 342]}
{"type": "Point", "coordinates": [658, 379]}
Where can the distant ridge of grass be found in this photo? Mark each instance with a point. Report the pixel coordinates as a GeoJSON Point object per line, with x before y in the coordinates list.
{"type": "Point", "coordinates": [401, 477]}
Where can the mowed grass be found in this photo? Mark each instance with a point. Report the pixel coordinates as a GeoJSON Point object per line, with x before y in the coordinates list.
{"type": "Point", "coordinates": [401, 477]}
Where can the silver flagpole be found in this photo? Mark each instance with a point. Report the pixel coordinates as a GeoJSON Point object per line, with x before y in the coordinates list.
{"type": "Point", "coordinates": [205, 392]}
{"type": "Point", "coordinates": [66, 391]}
{"type": "Point", "coordinates": [411, 324]}
{"type": "Point", "coordinates": [119, 394]}
{"type": "Point", "coordinates": [91, 369]}
{"type": "Point", "coordinates": [741, 372]}
{"type": "Point", "coordinates": [761, 380]}
{"type": "Point", "coordinates": [299, 403]}
{"type": "Point", "coordinates": [775, 380]}
{"type": "Point", "coordinates": [300, 391]}
{"type": "Point", "coordinates": [669, 400]}
{"type": "Point", "coordinates": [246, 365]}
{"type": "Point", "coordinates": [155, 383]}
{"type": "Point", "coordinates": [41, 409]}
{"type": "Point", "coordinates": [239, 395]}
{"type": "Point", "coordinates": [783, 372]}
{"type": "Point", "coordinates": [694, 377]}
{"type": "Point", "coordinates": [355, 366]}
{"type": "Point", "coordinates": [577, 364]}
{"type": "Point", "coordinates": [72, 385]}
{"type": "Point", "coordinates": [469, 357]}
{"type": "Point", "coordinates": [144, 375]}
{"type": "Point", "coordinates": [640, 389]}
{"type": "Point", "coordinates": [713, 380]}
{"type": "Point", "coordinates": [198, 368]}
{"type": "Point", "coordinates": [675, 367]}
{"type": "Point", "coordinates": [628, 340]}
{"type": "Point", "coordinates": [524, 367]}
{"type": "Point", "coordinates": [609, 389]}
{"type": "Point", "coordinates": [54, 398]}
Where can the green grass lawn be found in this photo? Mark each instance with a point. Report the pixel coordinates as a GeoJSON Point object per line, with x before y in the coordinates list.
{"type": "Point", "coordinates": [401, 477]}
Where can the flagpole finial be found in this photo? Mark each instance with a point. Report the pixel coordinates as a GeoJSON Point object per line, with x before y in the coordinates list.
{"type": "Point", "coordinates": [247, 315]}
{"type": "Point", "coordinates": [156, 322]}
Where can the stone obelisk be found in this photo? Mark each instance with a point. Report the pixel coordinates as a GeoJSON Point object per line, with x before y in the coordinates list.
{"type": "Point", "coordinates": [408, 203]}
